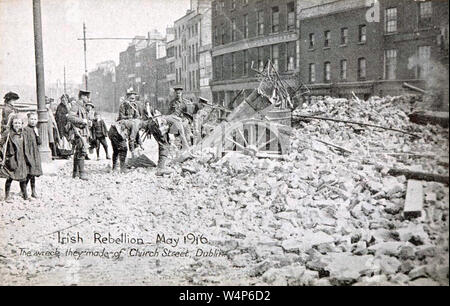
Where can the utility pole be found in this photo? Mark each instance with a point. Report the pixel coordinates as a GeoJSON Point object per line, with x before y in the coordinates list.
{"type": "Point", "coordinates": [65, 86]}
{"type": "Point", "coordinates": [44, 148]}
{"type": "Point", "coordinates": [85, 60]}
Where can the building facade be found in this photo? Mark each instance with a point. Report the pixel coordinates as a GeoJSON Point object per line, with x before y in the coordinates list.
{"type": "Point", "coordinates": [191, 50]}
{"type": "Point", "coordinates": [371, 48]}
{"type": "Point", "coordinates": [246, 34]}
{"type": "Point", "coordinates": [143, 69]}
{"type": "Point", "coordinates": [102, 85]}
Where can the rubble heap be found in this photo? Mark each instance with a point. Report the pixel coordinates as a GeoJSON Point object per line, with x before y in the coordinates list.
{"type": "Point", "coordinates": [326, 216]}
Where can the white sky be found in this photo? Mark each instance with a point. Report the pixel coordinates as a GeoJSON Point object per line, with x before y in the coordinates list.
{"type": "Point", "coordinates": [62, 22]}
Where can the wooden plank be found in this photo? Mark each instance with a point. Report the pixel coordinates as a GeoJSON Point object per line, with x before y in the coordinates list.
{"type": "Point", "coordinates": [414, 175]}
{"type": "Point", "coordinates": [414, 199]}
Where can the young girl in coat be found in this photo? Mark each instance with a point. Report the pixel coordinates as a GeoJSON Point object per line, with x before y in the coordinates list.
{"type": "Point", "coordinates": [33, 158]}
{"type": "Point", "coordinates": [14, 165]}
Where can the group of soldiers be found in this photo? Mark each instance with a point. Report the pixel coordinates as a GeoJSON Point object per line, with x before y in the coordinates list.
{"type": "Point", "coordinates": [183, 120]}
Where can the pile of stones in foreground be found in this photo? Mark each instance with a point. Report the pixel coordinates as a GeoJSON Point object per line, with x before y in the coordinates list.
{"type": "Point", "coordinates": [324, 217]}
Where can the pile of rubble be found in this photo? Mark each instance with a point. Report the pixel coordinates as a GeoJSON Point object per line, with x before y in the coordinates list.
{"type": "Point", "coordinates": [326, 216]}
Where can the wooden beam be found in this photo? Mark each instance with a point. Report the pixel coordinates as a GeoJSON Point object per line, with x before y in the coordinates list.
{"type": "Point", "coordinates": [414, 175]}
{"type": "Point", "coordinates": [334, 146]}
{"type": "Point", "coordinates": [414, 199]}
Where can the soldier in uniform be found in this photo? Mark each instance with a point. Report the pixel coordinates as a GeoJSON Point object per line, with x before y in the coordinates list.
{"type": "Point", "coordinates": [79, 133]}
{"type": "Point", "coordinates": [129, 108]}
{"type": "Point", "coordinates": [9, 108]}
{"type": "Point", "coordinates": [177, 116]}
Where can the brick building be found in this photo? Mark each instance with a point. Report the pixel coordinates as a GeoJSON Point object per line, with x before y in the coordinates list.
{"type": "Point", "coordinates": [250, 32]}
{"type": "Point", "coordinates": [172, 47]}
{"type": "Point", "coordinates": [102, 85]}
{"type": "Point", "coordinates": [191, 50]}
{"type": "Point", "coordinates": [126, 70]}
{"type": "Point", "coordinates": [143, 68]}
{"type": "Point", "coordinates": [345, 49]}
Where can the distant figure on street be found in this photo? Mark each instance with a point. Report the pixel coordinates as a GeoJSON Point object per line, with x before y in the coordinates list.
{"type": "Point", "coordinates": [9, 109]}
{"type": "Point", "coordinates": [61, 115]}
{"type": "Point", "coordinates": [53, 133]}
{"type": "Point", "coordinates": [32, 141]}
{"type": "Point", "coordinates": [64, 147]}
{"type": "Point", "coordinates": [53, 106]}
{"type": "Point", "coordinates": [99, 133]}
{"type": "Point", "coordinates": [91, 116]}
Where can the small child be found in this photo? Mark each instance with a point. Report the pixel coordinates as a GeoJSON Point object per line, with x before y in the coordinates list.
{"type": "Point", "coordinates": [32, 154]}
{"type": "Point", "coordinates": [14, 164]}
{"type": "Point", "coordinates": [99, 134]}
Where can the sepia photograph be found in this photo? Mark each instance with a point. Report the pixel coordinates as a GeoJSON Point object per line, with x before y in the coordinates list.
{"type": "Point", "coordinates": [251, 143]}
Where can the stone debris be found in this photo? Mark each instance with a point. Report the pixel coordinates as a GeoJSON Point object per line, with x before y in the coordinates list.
{"type": "Point", "coordinates": [317, 217]}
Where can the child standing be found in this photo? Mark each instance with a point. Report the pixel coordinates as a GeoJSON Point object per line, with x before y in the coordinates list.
{"type": "Point", "coordinates": [14, 165]}
{"type": "Point", "coordinates": [33, 158]}
{"type": "Point", "coordinates": [99, 133]}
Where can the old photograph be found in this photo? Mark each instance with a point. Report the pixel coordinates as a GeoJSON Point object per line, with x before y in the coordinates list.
{"type": "Point", "coordinates": [224, 143]}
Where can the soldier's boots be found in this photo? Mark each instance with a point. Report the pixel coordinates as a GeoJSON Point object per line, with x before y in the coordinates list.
{"type": "Point", "coordinates": [75, 168]}
{"type": "Point", "coordinates": [81, 167]}
{"type": "Point", "coordinates": [162, 168]}
{"type": "Point", "coordinates": [78, 169]}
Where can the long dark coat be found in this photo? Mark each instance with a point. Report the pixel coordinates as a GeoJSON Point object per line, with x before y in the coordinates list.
{"type": "Point", "coordinates": [15, 166]}
{"type": "Point", "coordinates": [61, 119]}
{"type": "Point", "coordinates": [32, 155]}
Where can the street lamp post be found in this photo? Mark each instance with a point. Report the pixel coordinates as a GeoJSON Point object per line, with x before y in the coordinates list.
{"type": "Point", "coordinates": [44, 148]}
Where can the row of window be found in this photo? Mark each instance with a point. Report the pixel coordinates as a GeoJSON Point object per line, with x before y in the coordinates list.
{"type": "Point", "coordinates": [390, 20]}
{"type": "Point", "coordinates": [390, 66]}
{"type": "Point", "coordinates": [191, 57]}
{"type": "Point", "coordinates": [362, 67]}
{"type": "Point", "coordinates": [425, 14]}
{"type": "Point", "coordinates": [221, 32]}
{"type": "Point", "coordinates": [219, 6]}
{"type": "Point", "coordinates": [191, 30]}
{"type": "Point", "coordinates": [362, 37]}
{"type": "Point", "coordinates": [241, 58]}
